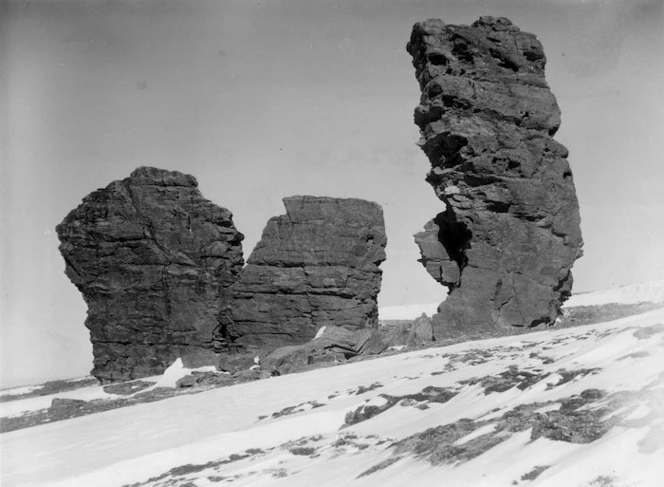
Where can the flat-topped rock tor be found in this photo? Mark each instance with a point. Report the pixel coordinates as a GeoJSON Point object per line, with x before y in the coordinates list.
{"type": "Point", "coordinates": [315, 266]}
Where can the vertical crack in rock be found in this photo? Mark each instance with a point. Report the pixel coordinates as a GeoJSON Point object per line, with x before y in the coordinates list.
{"type": "Point", "coordinates": [154, 261]}
{"type": "Point", "coordinates": [510, 231]}
{"type": "Point", "coordinates": [315, 266]}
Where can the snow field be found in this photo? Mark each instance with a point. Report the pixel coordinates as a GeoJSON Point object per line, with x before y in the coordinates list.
{"type": "Point", "coordinates": [311, 445]}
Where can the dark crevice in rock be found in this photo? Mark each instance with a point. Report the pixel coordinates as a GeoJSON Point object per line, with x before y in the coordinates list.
{"type": "Point", "coordinates": [537, 322]}
{"type": "Point", "coordinates": [442, 148]}
{"type": "Point", "coordinates": [437, 58]}
{"type": "Point", "coordinates": [454, 236]}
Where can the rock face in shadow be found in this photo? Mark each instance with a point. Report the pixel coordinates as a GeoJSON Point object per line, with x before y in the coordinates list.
{"type": "Point", "coordinates": [315, 266]}
{"type": "Point", "coordinates": [510, 230]}
{"type": "Point", "coordinates": [154, 261]}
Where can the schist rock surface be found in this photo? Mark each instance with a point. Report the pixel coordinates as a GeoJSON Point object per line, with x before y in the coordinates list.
{"type": "Point", "coordinates": [315, 266]}
{"type": "Point", "coordinates": [510, 230]}
{"type": "Point", "coordinates": [153, 260]}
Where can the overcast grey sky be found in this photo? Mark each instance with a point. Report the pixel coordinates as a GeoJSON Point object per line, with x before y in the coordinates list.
{"type": "Point", "coordinates": [261, 100]}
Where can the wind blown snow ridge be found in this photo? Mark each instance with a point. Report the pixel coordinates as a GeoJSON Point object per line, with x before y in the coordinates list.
{"type": "Point", "coordinates": [573, 407]}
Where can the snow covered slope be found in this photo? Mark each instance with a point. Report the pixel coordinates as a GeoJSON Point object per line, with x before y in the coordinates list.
{"type": "Point", "coordinates": [574, 407]}
{"type": "Point", "coordinates": [652, 292]}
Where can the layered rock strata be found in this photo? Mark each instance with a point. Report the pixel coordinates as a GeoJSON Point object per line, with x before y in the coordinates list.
{"type": "Point", "coordinates": [510, 230]}
{"type": "Point", "coordinates": [154, 261]}
{"type": "Point", "coordinates": [315, 266]}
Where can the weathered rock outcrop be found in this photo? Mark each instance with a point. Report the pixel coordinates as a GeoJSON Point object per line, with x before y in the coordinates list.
{"type": "Point", "coordinates": [333, 345]}
{"type": "Point", "coordinates": [510, 231]}
{"type": "Point", "coordinates": [153, 260]}
{"type": "Point", "coordinates": [337, 345]}
{"type": "Point", "coordinates": [315, 266]}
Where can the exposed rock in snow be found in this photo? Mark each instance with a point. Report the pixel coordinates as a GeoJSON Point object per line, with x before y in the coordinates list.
{"type": "Point", "coordinates": [30, 404]}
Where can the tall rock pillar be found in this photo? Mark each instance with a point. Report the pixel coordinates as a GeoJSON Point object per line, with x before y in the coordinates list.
{"type": "Point", "coordinates": [509, 231]}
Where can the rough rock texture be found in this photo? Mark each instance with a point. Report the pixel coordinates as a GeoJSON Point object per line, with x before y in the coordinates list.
{"type": "Point", "coordinates": [421, 333]}
{"type": "Point", "coordinates": [204, 379]}
{"type": "Point", "coordinates": [337, 344]}
{"type": "Point", "coordinates": [333, 344]}
{"type": "Point", "coordinates": [510, 231]}
{"type": "Point", "coordinates": [315, 266]}
{"type": "Point", "coordinates": [153, 260]}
